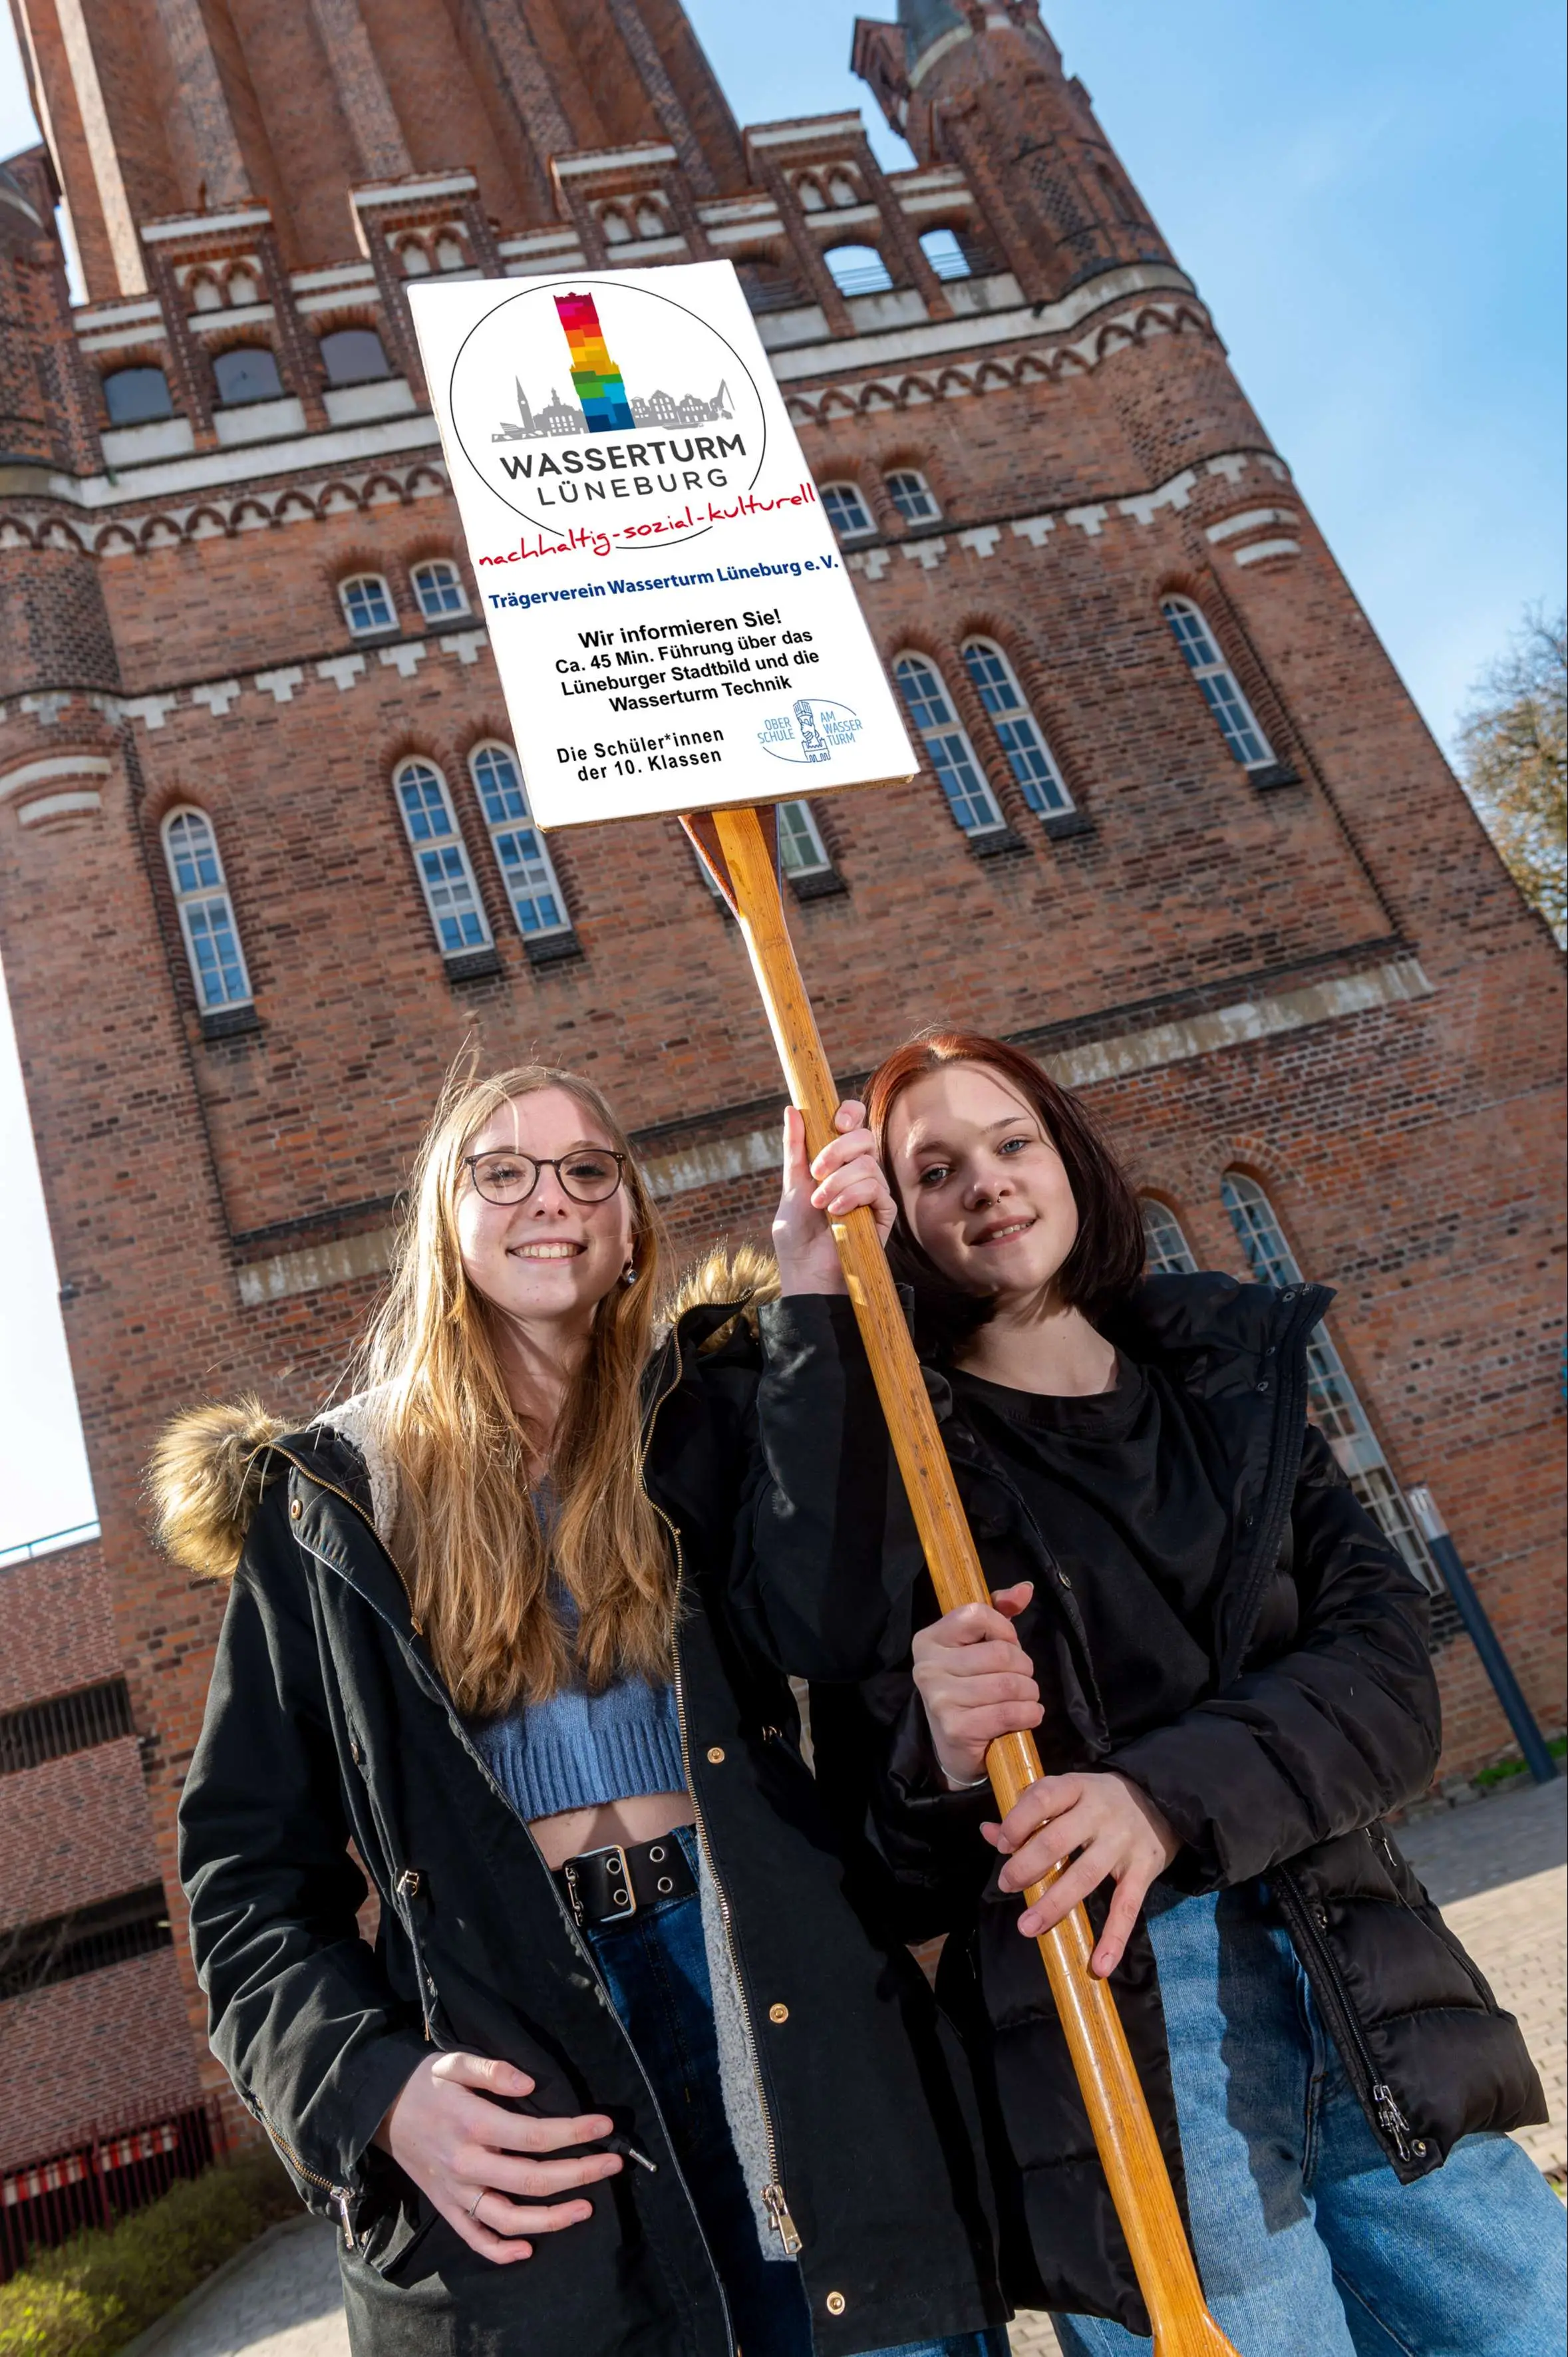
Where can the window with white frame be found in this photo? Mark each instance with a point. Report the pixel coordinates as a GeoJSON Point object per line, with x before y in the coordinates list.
{"type": "Point", "coordinates": [205, 915]}
{"type": "Point", "coordinates": [1166, 1249]}
{"type": "Point", "coordinates": [440, 860]}
{"type": "Point", "coordinates": [959, 774]}
{"type": "Point", "coordinates": [1222, 691]}
{"type": "Point", "coordinates": [367, 604]}
{"type": "Point", "coordinates": [1028, 755]}
{"type": "Point", "coordinates": [912, 495]}
{"type": "Point", "coordinates": [1331, 1397]}
{"type": "Point", "coordinates": [846, 510]}
{"type": "Point", "coordinates": [801, 851]}
{"type": "Point", "coordinates": [438, 586]}
{"type": "Point", "coordinates": [527, 870]}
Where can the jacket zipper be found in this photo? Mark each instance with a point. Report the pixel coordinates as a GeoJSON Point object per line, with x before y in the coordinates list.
{"type": "Point", "coordinates": [340, 2193]}
{"type": "Point", "coordinates": [773, 2196]}
{"type": "Point", "coordinates": [1375, 2094]}
{"type": "Point", "coordinates": [407, 1888]}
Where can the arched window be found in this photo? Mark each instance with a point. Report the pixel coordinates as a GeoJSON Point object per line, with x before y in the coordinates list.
{"type": "Point", "coordinates": [248, 373]}
{"type": "Point", "coordinates": [1168, 1251]}
{"type": "Point", "coordinates": [842, 191]}
{"type": "Point", "coordinates": [858, 270]}
{"type": "Point", "coordinates": [135, 395]}
{"type": "Point", "coordinates": [438, 586]}
{"type": "Point", "coordinates": [204, 291]}
{"type": "Point", "coordinates": [1332, 1401]}
{"type": "Point", "coordinates": [1221, 692]}
{"type": "Point", "coordinates": [416, 261]}
{"type": "Point", "coordinates": [616, 226]}
{"type": "Point", "coordinates": [959, 774]}
{"type": "Point", "coordinates": [354, 356]}
{"type": "Point", "coordinates": [912, 495]}
{"type": "Point", "coordinates": [367, 604]}
{"type": "Point", "coordinates": [440, 860]}
{"type": "Point", "coordinates": [801, 851]}
{"type": "Point", "coordinates": [1039, 778]}
{"type": "Point", "coordinates": [810, 192]}
{"type": "Point", "coordinates": [449, 254]}
{"type": "Point", "coordinates": [943, 251]}
{"type": "Point", "coordinates": [206, 917]}
{"type": "Point", "coordinates": [650, 222]}
{"type": "Point", "coordinates": [242, 289]}
{"type": "Point", "coordinates": [846, 510]}
{"type": "Point", "coordinates": [537, 900]}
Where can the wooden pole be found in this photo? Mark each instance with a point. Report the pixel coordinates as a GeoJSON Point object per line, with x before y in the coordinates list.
{"type": "Point", "coordinates": [1123, 2132]}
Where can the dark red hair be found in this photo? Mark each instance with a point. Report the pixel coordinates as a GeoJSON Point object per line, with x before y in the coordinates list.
{"type": "Point", "coordinates": [1107, 1257]}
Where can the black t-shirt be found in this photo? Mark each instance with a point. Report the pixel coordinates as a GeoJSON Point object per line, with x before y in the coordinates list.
{"type": "Point", "coordinates": [1121, 1487]}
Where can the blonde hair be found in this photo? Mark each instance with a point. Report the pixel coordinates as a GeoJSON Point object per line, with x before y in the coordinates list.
{"type": "Point", "coordinates": [466, 1533]}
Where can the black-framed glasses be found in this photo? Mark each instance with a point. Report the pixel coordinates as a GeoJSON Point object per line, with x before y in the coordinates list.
{"type": "Point", "coordinates": [592, 1175]}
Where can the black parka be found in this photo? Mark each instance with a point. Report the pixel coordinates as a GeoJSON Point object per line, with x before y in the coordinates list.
{"type": "Point", "coordinates": [1322, 1717]}
{"type": "Point", "coordinates": [327, 1724]}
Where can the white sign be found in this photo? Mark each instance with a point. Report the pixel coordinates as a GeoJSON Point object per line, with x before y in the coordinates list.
{"type": "Point", "coordinates": [672, 619]}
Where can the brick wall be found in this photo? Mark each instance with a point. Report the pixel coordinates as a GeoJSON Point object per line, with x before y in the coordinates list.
{"type": "Point", "coordinates": [56, 1627]}
{"type": "Point", "coordinates": [108, 2050]}
{"type": "Point", "coordinates": [1328, 982]}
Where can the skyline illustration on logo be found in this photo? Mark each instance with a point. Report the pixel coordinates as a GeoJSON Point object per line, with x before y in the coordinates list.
{"type": "Point", "coordinates": [601, 389]}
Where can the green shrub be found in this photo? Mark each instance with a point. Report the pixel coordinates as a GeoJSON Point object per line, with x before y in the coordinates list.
{"type": "Point", "coordinates": [1501, 1769]}
{"type": "Point", "coordinates": [99, 2290]}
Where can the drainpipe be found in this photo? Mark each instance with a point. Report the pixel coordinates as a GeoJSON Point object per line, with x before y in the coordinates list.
{"type": "Point", "coordinates": [1483, 1636]}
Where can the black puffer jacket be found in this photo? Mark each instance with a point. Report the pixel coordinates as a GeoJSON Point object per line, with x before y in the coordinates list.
{"type": "Point", "coordinates": [1323, 1716]}
{"type": "Point", "coordinates": [327, 1724]}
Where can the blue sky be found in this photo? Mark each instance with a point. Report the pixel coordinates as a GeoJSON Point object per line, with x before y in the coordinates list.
{"type": "Point", "coordinates": [1369, 197]}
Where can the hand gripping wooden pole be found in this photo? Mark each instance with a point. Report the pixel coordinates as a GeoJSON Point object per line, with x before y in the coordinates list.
{"type": "Point", "coordinates": [1123, 2132]}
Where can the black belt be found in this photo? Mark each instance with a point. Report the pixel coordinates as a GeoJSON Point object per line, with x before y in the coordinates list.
{"type": "Point", "coordinates": [608, 1885]}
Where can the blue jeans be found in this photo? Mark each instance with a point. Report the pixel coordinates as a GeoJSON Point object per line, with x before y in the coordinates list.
{"type": "Point", "coordinates": [1308, 2244]}
{"type": "Point", "coordinates": [656, 1969]}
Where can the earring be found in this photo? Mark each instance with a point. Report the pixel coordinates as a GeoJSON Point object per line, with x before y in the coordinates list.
{"type": "Point", "coordinates": [628, 1273]}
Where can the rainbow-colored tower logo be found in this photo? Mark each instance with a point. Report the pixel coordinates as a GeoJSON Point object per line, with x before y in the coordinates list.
{"type": "Point", "coordinates": [598, 381]}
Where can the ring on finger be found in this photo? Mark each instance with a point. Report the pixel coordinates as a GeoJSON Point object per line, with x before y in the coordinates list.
{"type": "Point", "coordinates": [476, 2201]}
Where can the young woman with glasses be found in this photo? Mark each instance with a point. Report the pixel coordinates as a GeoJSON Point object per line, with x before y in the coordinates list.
{"type": "Point", "coordinates": [634, 2063]}
{"type": "Point", "coordinates": [1224, 1664]}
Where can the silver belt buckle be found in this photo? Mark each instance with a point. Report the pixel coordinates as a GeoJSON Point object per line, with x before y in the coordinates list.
{"type": "Point", "coordinates": [624, 1900]}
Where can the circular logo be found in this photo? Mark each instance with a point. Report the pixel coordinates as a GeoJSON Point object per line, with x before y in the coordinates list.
{"type": "Point", "coordinates": [592, 407]}
{"type": "Point", "coordinates": [813, 729]}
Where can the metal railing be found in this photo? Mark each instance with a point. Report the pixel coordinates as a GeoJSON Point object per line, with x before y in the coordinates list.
{"type": "Point", "coordinates": [75, 1535]}
{"type": "Point", "coordinates": [103, 2175]}
{"type": "Point", "coordinates": [65, 1723]}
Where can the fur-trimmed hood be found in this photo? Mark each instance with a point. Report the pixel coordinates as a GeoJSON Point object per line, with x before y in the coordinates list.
{"type": "Point", "coordinates": [209, 1466]}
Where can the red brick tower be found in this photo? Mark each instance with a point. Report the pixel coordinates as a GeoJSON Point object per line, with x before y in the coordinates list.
{"type": "Point", "coordinates": [263, 861]}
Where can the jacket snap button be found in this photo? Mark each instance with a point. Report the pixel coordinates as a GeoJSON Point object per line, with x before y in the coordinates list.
{"type": "Point", "coordinates": [1264, 1384]}
{"type": "Point", "coordinates": [715, 1753]}
{"type": "Point", "coordinates": [1065, 1580]}
{"type": "Point", "coordinates": [1418, 2147]}
{"type": "Point", "coordinates": [835, 2303]}
{"type": "Point", "coordinates": [1320, 1917]}
{"type": "Point", "coordinates": [777, 2013]}
{"type": "Point", "coordinates": [294, 1509]}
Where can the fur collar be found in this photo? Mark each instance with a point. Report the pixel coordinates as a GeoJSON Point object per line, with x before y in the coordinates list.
{"type": "Point", "coordinates": [210, 1467]}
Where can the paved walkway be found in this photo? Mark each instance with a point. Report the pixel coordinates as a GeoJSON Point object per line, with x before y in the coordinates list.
{"type": "Point", "coordinates": [1496, 1867]}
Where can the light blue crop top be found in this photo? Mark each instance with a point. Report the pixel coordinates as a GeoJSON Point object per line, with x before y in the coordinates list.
{"type": "Point", "coordinates": [579, 1750]}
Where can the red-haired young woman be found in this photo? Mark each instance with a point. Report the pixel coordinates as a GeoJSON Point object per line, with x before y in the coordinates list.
{"type": "Point", "coordinates": [1225, 1665]}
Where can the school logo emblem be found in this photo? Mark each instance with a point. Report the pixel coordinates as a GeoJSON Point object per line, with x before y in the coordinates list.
{"type": "Point", "coordinates": [813, 729]}
{"type": "Point", "coordinates": [589, 406]}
